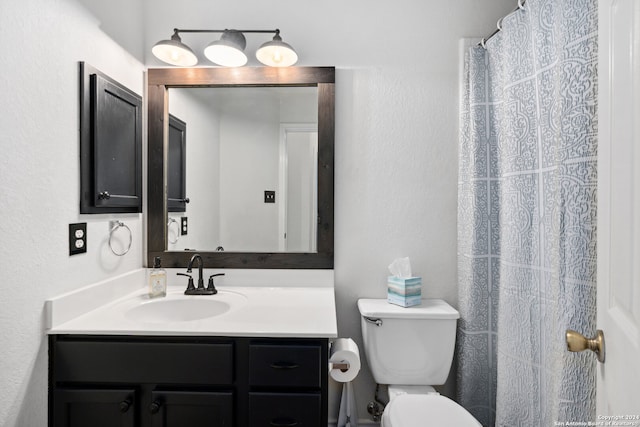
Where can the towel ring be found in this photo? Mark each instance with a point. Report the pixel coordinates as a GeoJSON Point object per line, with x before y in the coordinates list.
{"type": "Point", "coordinates": [169, 224]}
{"type": "Point", "coordinates": [114, 226]}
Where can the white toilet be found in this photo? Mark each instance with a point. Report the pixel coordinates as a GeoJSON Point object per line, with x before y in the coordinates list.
{"type": "Point", "coordinates": [411, 349]}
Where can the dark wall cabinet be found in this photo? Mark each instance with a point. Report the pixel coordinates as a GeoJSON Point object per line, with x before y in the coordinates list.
{"type": "Point", "coordinates": [176, 166]}
{"type": "Point", "coordinates": [187, 381]}
{"type": "Point", "coordinates": [110, 145]}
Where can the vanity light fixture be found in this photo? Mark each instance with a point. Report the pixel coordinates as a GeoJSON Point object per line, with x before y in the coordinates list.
{"type": "Point", "coordinates": [228, 51]}
{"type": "Point", "coordinates": [276, 53]}
{"type": "Point", "coordinates": [174, 52]}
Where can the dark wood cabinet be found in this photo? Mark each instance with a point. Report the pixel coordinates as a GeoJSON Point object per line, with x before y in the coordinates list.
{"type": "Point", "coordinates": [285, 409]}
{"type": "Point", "coordinates": [177, 166]}
{"type": "Point", "coordinates": [94, 407]}
{"type": "Point", "coordinates": [137, 381]}
{"type": "Point", "coordinates": [278, 365]}
{"type": "Point", "coordinates": [110, 145]}
{"type": "Point", "coordinates": [85, 407]}
{"type": "Point", "coordinates": [191, 409]}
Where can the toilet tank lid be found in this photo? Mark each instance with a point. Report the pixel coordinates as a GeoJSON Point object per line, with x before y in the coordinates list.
{"type": "Point", "coordinates": [429, 309]}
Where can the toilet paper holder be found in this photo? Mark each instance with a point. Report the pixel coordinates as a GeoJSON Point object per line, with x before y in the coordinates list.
{"type": "Point", "coordinates": [342, 365]}
{"type": "Point", "coordinates": [344, 360]}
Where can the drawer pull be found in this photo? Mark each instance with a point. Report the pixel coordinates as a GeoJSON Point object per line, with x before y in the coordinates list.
{"type": "Point", "coordinates": [283, 422]}
{"type": "Point", "coordinates": [284, 365]}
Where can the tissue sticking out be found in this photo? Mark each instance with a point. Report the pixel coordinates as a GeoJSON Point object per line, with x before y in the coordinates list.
{"type": "Point", "coordinates": [400, 267]}
{"type": "Point", "coordinates": [402, 288]}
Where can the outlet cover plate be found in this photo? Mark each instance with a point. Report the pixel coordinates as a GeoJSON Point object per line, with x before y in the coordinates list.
{"type": "Point", "coordinates": [77, 238]}
{"type": "Point", "coordinates": [184, 226]}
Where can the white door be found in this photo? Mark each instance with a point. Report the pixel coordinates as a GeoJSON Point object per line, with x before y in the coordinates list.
{"type": "Point", "coordinates": [618, 391]}
{"type": "Point", "coordinates": [298, 187]}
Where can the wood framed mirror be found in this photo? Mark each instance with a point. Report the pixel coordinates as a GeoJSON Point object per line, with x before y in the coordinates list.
{"type": "Point", "coordinates": [160, 81]}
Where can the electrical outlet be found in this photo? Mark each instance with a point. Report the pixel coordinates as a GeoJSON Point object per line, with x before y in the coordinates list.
{"type": "Point", "coordinates": [184, 226]}
{"type": "Point", "coordinates": [77, 238]}
{"type": "Point", "coordinates": [269, 196]}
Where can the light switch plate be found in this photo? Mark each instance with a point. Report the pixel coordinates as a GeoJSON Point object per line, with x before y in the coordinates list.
{"type": "Point", "coordinates": [269, 196]}
{"type": "Point", "coordinates": [77, 238]}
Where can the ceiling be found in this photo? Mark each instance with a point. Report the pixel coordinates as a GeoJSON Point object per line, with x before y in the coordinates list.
{"type": "Point", "coordinates": [332, 32]}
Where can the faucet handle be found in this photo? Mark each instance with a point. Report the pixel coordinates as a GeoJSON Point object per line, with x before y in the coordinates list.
{"type": "Point", "coordinates": [190, 285]}
{"type": "Point", "coordinates": [210, 286]}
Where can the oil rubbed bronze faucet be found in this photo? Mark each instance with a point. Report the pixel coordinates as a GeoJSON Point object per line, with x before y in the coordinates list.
{"type": "Point", "coordinates": [200, 290]}
{"type": "Point", "coordinates": [190, 266]}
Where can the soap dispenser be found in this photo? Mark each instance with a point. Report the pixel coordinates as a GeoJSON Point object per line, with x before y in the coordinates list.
{"type": "Point", "coordinates": [157, 280]}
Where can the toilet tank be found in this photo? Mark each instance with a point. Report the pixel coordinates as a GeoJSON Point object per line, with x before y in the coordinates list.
{"type": "Point", "coordinates": [412, 345]}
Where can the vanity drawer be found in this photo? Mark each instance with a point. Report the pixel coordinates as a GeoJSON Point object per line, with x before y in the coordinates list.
{"type": "Point", "coordinates": [143, 362]}
{"type": "Point", "coordinates": [285, 409]}
{"type": "Point", "coordinates": [282, 365]}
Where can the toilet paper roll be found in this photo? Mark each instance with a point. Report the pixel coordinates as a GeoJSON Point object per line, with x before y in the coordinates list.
{"type": "Point", "coordinates": [344, 350]}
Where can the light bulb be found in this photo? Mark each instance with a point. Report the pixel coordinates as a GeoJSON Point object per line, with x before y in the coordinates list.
{"type": "Point", "coordinates": [277, 57]}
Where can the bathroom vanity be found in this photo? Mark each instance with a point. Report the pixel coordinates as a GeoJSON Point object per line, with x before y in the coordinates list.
{"type": "Point", "coordinates": [261, 362]}
{"type": "Point", "coordinates": [207, 381]}
{"type": "Point", "coordinates": [255, 354]}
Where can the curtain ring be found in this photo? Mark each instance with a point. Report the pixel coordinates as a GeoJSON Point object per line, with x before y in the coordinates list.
{"type": "Point", "coordinates": [482, 43]}
{"type": "Point", "coordinates": [169, 224]}
{"type": "Point", "coordinates": [521, 4]}
{"type": "Point", "coordinates": [114, 226]}
{"type": "Point", "coordinates": [499, 24]}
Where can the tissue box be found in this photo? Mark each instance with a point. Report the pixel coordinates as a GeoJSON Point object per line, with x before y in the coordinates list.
{"type": "Point", "coordinates": [404, 292]}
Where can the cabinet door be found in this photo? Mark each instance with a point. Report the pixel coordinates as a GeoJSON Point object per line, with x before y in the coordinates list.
{"type": "Point", "coordinates": [94, 407]}
{"type": "Point", "coordinates": [176, 166]}
{"type": "Point", "coordinates": [191, 409]}
{"type": "Point", "coordinates": [110, 145]}
{"type": "Point", "coordinates": [117, 145]}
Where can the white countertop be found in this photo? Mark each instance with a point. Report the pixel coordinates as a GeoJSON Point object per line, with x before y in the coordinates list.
{"type": "Point", "coordinates": [305, 311]}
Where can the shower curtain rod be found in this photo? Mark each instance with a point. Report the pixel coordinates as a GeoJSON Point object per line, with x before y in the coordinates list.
{"type": "Point", "coordinates": [499, 25]}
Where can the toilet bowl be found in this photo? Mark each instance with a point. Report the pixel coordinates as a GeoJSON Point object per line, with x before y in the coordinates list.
{"type": "Point", "coordinates": [411, 349]}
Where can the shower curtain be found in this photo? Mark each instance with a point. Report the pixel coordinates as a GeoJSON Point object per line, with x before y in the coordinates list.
{"type": "Point", "coordinates": [527, 217]}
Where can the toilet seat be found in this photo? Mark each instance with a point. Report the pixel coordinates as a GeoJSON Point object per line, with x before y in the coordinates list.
{"type": "Point", "coordinates": [396, 390]}
{"type": "Point", "coordinates": [414, 410]}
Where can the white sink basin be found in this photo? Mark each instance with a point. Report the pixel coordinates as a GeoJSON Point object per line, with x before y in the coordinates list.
{"type": "Point", "coordinates": [182, 308]}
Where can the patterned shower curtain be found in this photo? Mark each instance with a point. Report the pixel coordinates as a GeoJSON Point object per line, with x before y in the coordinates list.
{"type": "Point", "coordinates": [527, 217]}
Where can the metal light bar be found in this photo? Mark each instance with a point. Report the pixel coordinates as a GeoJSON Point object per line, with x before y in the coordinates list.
{"type": "Point", "coordinates": [228, 51]}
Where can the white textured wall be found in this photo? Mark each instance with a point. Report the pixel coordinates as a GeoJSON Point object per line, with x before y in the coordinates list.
{"type": "Point", "coordinates": [249, 166]}
{"type": "Point", "coordinates": [203, 177]}
{"type": "Point", "coordinates": [42, 42]}
{"type": "Point", "coordinates": [396, 138]}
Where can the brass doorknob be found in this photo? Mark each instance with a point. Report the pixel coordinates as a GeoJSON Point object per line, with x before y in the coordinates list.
{"type": "Point", "coordinates": [578, 342]}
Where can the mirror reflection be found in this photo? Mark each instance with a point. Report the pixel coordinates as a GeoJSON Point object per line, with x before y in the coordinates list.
{"type": "Point", "coordinates": [246, 160]}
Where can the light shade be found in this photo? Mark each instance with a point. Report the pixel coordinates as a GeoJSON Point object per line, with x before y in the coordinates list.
{"type": "Point", "coordinates": [174, 52]}
{"type": "Point", "coordinates": [229, 50]}
{"type": "Point", "coordinates": [276, 53]}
